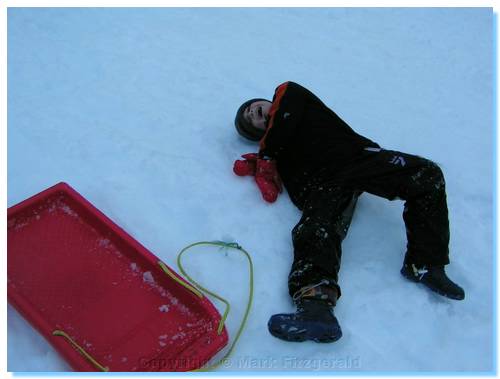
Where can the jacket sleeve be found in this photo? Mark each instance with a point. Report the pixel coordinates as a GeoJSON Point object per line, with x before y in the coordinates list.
{"type": "Point", "coordinates": [285, 114]}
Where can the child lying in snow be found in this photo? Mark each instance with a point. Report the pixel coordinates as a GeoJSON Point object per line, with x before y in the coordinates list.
{"type": "Point", "coordinates": [325, 166]}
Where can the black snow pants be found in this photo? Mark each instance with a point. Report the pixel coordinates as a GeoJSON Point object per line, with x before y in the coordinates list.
{"type": "Point", "coordinates": [328, 208]}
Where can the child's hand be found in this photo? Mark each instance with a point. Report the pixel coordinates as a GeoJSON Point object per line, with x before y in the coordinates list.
{"type": "Point", "coordinates": [247, 166]}
{"type": "Point", "coordinates": [268, 180]}
{"type": "Point", "coordinates": [265, 172]}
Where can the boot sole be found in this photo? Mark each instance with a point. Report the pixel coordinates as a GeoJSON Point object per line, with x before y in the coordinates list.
{"type": "Point", "coordinates": [306, 336]}
{"type": "Point", "coordinates": [303, 338]}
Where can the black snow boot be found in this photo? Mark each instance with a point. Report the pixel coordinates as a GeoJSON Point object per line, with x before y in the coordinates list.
{"type": "Point", "coordinates": [434, 278]}
{"type": "Point", "coordinates": [314, 320]}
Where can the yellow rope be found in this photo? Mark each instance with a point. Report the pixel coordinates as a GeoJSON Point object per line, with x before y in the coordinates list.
{"type": "Point", "coordinates": [184, 284]}
{"type": "Point", "coordinates": [226, 312]}
{"type": "Point", "coordinates": [80, 349]}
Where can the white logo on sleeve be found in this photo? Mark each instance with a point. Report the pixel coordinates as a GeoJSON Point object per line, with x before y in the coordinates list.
{"type": "Point", "coordinates": [286, 114]}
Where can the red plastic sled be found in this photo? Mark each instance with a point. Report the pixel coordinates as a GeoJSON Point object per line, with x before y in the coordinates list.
{"type": "Point", "coordinates": [97, 295]}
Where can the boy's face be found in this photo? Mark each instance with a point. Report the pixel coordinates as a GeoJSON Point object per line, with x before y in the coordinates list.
{"type": "Point", "coordinates": [257, 114]}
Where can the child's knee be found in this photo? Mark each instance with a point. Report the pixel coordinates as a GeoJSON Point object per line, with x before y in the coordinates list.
{"type": "Point", "coordinates": [428, 179]}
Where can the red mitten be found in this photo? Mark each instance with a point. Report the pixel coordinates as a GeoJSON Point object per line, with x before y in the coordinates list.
{"type": "Point", "coordinates": [247, 166]}
{"type": "Point", "coordinates": [268, 180]}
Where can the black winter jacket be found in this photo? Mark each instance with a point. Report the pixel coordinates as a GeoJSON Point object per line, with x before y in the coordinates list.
{"type": "Point", "coordinates": [308, 140]}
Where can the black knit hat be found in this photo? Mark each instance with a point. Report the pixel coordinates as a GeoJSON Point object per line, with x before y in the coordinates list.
{"type": "Point", "coordinates": [245, 128]}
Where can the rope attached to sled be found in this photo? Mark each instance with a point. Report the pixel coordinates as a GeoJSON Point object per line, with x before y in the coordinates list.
{"type": "Point", "coordinates": [174, 277]}
{"type": "Point", "coordinates": [80, 349]}
{"type": "Point", "coordinates": [224, 245]}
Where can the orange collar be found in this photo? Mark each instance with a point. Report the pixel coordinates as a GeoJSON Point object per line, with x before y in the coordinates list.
{"type": "Point", "coordinates": [280, 91]}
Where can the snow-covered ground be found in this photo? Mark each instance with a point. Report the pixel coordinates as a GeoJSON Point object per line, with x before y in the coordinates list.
{"type": "Point", "coordinates": [134, 108]}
